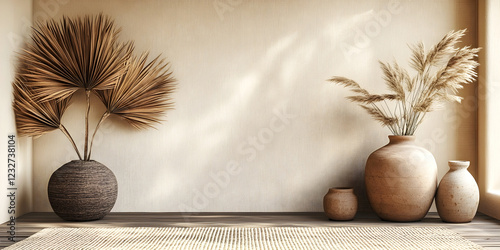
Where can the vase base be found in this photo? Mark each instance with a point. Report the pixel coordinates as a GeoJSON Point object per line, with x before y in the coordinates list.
{"type": "Point", "coordinates": [340, 219]}
{"type": "Point", "coordinates": [457, 222]}
{"type": "Point", "coordinates": [402, 221]}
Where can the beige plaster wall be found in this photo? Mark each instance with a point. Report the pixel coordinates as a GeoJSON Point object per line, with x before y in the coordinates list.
{"type": "Point", "coordinates": [15, 20]}
{"type": "Point", "coordinates": [256, 126]}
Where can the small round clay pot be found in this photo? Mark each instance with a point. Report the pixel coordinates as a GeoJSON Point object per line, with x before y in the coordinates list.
{"type": "Point", "coordinates": [340, 203]}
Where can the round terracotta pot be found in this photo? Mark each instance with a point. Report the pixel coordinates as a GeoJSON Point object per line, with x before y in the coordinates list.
{"type": "Point", "coordinates": [82, 191]}
{"type": "Point", "coordinates": [457, 197]}
{"type": "Point", "coordinates": [340, 204]}
{"type": "Point", "coordinates": [401, 180]}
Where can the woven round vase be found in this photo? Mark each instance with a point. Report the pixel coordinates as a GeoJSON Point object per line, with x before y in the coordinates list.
{"type": "Point", "coordinates": [82, 191]}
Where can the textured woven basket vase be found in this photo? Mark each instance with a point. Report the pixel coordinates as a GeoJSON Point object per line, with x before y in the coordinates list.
{"type": "Point", "coordinates": [82, 191]}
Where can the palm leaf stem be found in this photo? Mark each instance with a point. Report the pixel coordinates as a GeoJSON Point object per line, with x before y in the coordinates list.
{"type": "Point", "coordinates": [103, 117]}
{"type": "Point", "coordinates": [87, 112]}
{"type": "Point", "coordinates": [70, 138]}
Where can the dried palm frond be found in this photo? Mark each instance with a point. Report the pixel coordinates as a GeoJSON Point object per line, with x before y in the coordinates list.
{"type": "Point", "coordinates": [142, 95]}
{"type": "Point", "coordinates": [426, 91]}
{"type": "Point", "coordinates": [34, 118]}
{"type": "Point", "coordinates": [84, 54]}
{"type": "Point", "coordinates": [72, 54]}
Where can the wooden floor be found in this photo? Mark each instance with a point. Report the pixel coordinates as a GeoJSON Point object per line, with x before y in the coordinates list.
{"type": "Point", "coordinates": [483, 230]}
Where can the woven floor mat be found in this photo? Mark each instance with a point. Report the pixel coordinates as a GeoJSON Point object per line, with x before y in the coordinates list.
{"type": "Point", "coordinates": [246, 238]}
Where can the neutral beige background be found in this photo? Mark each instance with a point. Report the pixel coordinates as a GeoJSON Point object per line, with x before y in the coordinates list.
{"type": "Point", "coordinates": [15, 20]}
{"type": "Point", "coordinates": [242, 64]}
{"type": "Point", "coordinates": [489, 100]}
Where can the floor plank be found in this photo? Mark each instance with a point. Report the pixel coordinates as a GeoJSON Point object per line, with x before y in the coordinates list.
{"type": "Point", "coordinates": [483, 230]}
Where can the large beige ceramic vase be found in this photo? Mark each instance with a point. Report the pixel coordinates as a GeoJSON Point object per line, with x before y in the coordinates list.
{"type": "Point", "coordinates": [401, 180]}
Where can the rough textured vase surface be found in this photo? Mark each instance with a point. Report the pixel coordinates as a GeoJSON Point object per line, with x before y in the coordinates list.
{"type": "Point", "coordinates": [340, 204]}
{"type": "Point", "coordinates": [401, 180]}
{"type": "Point", "coordinates": [457, 197]}
{"type": "Point", "coordinates": [82, 191]}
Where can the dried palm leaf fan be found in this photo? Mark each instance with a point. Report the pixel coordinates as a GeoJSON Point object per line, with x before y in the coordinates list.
{"type": "Point", "coordinates": [83, 54]}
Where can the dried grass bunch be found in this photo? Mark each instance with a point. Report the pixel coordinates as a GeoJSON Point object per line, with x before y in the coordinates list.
{"type": "Point", "coordinates": [83, 54]}
{"type": "Point", "coordinates": [440, 73]}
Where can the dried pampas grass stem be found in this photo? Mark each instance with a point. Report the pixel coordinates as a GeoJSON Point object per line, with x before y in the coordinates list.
{"type": "Point", "coordinates": [440, 74]}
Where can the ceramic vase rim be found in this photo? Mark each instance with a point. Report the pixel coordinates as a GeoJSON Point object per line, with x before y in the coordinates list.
{"type": "Point", "coordinates": [402, 137]}
{"type": "Point", "coordinates": [458, 164]}
{"type": "Point", "coordinates": [84, 161]}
